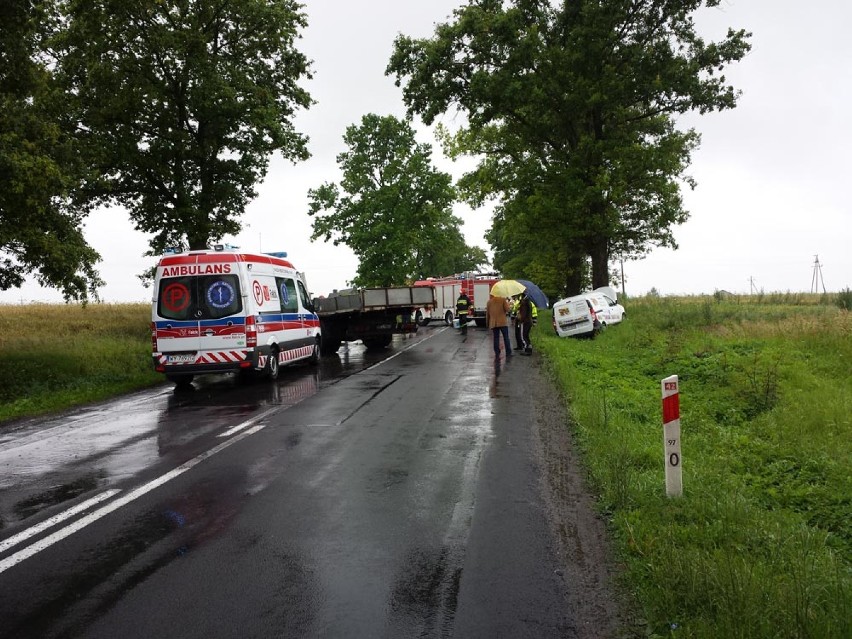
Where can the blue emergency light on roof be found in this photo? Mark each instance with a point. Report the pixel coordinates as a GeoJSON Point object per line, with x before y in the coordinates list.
{"type": "Point", "coordinates": [281, 254]}
{"type": "Point", "coordinates": [171, 250]}
{"type": "Point", "coordinates": [225, 247]}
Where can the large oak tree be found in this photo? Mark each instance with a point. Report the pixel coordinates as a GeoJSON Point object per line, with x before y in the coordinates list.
{"type": "Point", "coordinates": [181, 103]}
{"type": "Point", "coordinates": [571, 106]}
{"type": "Point", "coordinates": [392, 207]}
{"type": "Point", "coordinates": [41, 167]}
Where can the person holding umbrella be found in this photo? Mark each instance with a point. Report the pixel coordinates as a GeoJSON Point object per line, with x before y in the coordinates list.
{"type": "Point", "coordinates": [497, 312]}
{"type": "Point", "coordinates": [525, 320]}
{"type": "Point", "coordinates": [519, 340]}
{"type": "Point", "coordinates": [497, 319]}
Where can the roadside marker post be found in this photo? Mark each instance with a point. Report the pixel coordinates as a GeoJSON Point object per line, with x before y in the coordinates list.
{"type": "Point", "coordinates": [671, 436]}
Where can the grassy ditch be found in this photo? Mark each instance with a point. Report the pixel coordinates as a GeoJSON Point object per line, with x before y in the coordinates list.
{"type": "Point", "coordinates": [57, 356]}
{"type": "Point", "coordinates": [760, 544]}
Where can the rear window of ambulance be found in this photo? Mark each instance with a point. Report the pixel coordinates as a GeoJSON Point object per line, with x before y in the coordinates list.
{"type": "Point", "coordinates": [199, 297]}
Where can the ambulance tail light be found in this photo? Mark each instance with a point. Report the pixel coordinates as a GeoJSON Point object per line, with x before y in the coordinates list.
{"type": "Point", "coordinates": [251, 332]}
{"type": "Point", "coordinates": [153, 337]}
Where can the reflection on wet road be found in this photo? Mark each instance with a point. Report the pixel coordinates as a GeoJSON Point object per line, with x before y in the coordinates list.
{"type": "Point", "coordinates": [47, 462]}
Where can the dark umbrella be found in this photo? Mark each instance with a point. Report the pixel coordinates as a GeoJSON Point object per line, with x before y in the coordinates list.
{"type": "Point", "coordinates": [534, 292]}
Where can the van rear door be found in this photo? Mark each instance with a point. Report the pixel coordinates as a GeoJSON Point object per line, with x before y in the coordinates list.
{"type": "Point", "coordinates": [199, 313]}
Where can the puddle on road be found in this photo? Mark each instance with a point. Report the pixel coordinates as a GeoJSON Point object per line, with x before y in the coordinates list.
{"type": "Point", "coordinates": [55, 495]}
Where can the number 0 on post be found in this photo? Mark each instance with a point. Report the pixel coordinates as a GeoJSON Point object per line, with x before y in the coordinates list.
{"type": "Point", "coordinates": [671, 436]}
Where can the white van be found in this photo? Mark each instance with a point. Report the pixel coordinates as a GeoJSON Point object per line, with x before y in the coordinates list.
{"type": "Point", "coordinates": [587, 314]}
{"type": "Point", "coordinates": [611, 312]}
{"type": "Point", "coordinates": [219, 311]}
{"type": "Point", "coordinates": [577, 316]}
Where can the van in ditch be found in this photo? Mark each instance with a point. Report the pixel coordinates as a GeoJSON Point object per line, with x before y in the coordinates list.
{"type": "Point", "coordinates": [221, 311]}
{"type": "Point", "coordinates": [587, 314]}
{"type": "Point", "coordinates": [577, 316]}
{"type": "Point", "coordinates": [611, 312]}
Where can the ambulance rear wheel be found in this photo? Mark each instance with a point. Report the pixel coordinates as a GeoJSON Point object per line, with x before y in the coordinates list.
{"type": "Point", "coordinates": [181, 381]}
{"type": "Point", "coordinates": [272, 365]}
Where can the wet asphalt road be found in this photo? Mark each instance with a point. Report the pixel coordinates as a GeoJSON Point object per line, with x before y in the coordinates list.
{"type": "Point", "coordinates": [378, 495]}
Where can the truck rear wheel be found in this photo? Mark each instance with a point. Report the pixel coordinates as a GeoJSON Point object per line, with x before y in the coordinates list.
{"type": "Point", "coordinates": [448, 318]}
{"type": "Point", "coordinates": [329, 344]}
{"type": "Point", "coordinates": [375, 343]}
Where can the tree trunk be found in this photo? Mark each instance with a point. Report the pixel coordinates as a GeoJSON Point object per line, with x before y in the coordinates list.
{"type": "Point", "coordinates": [600, 263]}
{"type": "Point", "coordinates": [574, 276]}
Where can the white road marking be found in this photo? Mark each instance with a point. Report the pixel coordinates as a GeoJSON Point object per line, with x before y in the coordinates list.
{"type": "Point", "coordinates": [410, 346]}
{"type": "Point", "coordinates": [81, 523]}
{"type": "Point", "coordinates": [247, 423]}
{"type": "Point", "coordinates": [14, 540]}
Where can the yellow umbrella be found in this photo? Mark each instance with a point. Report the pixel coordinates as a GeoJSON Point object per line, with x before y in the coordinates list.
{"type": "Point", "coordinates": [507, 288]}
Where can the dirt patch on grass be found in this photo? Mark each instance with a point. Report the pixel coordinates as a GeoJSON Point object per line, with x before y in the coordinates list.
{"type": "Point", "coordinates": [601, 606]}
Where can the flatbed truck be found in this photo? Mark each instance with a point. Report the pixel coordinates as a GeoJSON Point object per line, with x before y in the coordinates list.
{"type": "Point", "coordinates": [372, 315]}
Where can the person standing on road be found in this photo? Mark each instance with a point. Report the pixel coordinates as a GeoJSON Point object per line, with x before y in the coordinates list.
{"type": "Point", "coordinates": [519, 340]}
{"type": "Point", "coordinates": [463, 310]}
{"type": "Point", "coordinates": [525, 319]}
{"type": "Point", "coordinates": [497, 319]}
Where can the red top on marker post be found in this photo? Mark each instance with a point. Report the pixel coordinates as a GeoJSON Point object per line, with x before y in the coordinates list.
{"type": "Point", "coordinates": [671, 399]}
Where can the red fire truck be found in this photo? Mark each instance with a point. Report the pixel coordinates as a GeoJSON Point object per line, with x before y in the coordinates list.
{"type": "Point", "coordinates": [447, 291]}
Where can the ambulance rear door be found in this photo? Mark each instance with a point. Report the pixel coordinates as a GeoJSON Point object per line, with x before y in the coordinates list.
{"type": "Point", "coordinates": [199, 314]}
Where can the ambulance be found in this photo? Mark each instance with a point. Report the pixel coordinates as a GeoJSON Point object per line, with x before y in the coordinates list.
{"type": "Point", "coordinates": [222, 311]}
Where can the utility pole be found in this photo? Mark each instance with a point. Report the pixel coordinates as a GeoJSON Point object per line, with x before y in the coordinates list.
{"type": "Point", "coordinates": [751, 284]}
{"type": "Point", "coordinates": [621, 259]}
{"type": "Point", "coordinates": [816, 280]}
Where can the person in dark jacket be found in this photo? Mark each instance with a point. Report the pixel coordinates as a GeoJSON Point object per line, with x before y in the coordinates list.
{"type": "Point", "coordinates": [525, 319]}
{"type": "Point", "coordinates": [519, 340]}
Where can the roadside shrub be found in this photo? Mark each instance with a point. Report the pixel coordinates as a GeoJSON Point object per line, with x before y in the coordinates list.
{"type": "Point", "coordinates": [844, 299]}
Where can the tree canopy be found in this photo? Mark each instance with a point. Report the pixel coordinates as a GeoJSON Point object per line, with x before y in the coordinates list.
{"type": "Point", "coordinates": [392, 207]}
{"type": "Point", "coordinates": [570, 107]}
{"type": "Point", "coordinates": [180, 104]}
{"type": "Point", "coordinates": [40, 164]}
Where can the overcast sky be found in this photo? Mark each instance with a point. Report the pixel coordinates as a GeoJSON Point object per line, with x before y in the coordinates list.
{"type": "Point", "coordinates": [772, 174]}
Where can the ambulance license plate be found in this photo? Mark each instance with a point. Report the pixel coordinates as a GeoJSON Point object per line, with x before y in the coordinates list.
{"type": "Point", "coordinates": [182, 358]}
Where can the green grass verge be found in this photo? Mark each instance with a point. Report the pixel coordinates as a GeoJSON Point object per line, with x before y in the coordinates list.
{"type": "Point", "coordinates": [760, 543]}
{"type": "Point", "coordinates": [56, 356]}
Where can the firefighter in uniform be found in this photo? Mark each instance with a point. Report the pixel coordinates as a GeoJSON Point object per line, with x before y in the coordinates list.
{"type": "Point", "coordinates": [463, 310]}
